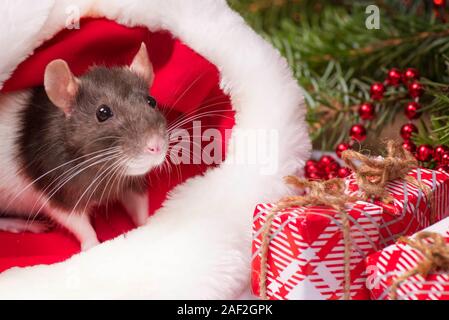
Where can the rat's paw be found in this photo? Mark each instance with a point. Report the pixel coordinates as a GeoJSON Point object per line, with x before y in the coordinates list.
{"type": "Point", "coordinates": [141, 220]}
{"type": "Point", "coordinates": [16, 225]}
{"type": "Point", "coordinates": [137, 207]}
{"type": "Point", "coordinates": [89, 244]}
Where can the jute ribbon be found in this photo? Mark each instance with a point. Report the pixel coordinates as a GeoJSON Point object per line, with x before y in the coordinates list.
{"type": "Point", "coordinates": [436, 257]}
{"type": "Point", "coordinates": [328, 193]}
{"type": "Point", "coordinates": [373, 174]}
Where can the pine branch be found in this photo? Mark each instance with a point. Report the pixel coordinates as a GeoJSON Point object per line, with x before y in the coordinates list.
{"type": "Point", "coordinates": [335, 58]}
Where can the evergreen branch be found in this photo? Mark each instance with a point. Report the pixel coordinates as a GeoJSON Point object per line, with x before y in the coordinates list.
{"type": "Point", "coordinates": [385, 44]}
{"type": "Point", "coordinates": [335, 59]}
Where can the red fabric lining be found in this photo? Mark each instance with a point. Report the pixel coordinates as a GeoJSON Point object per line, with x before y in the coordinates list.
{"type": "Point", "coordinates": [184, 82]}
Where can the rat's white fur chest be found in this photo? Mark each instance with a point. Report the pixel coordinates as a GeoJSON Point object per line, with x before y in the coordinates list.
{"type": "Point", "coordinates": [17, 195]}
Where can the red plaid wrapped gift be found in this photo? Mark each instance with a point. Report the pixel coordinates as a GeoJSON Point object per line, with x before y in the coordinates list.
{"type": "Point", "coordinates": [412, 208]}
{"type": "Point", "coordinates": [415, 269]}
{"type": "Point", "coordinates": [306, 254]}
{"type": "Point", "coordinates": [412, 198]}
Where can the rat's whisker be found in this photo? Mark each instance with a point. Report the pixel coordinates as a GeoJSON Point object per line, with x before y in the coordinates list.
{"type": "Point", "coordinates": [202, 126]}
{"type": "Point", "coordinates": [121, 180]}
{"type": "Point", "coordinates": [51, 135]}
{"type": "Point", "coordinates": [59, 185]}
{"type": "Point", "coordinates": [177, 168]}
{"type": "Point", "coordinates": [53, 191]}
{"type": "Point", "coordinates": [203, 107]}
{"type": "Point", "coordinates": [174, 144]}
{"type": "Point", "coordinates": [117, 175]}
{"type": "Point", "coordinates": [188, 116]}
{"type": "Point", "coordinates": [185, 92]}
{"type": "Point", "coordinates": [56, 168]}
{"type": "Point", "coordinates": [74, 168]}
{"type": "Point", "coordinates": [190, 155]}
{"type": "Point", "coordinates": [198, 116]}
{"type": "Point", "coordinates": [40, 149]}
{"type": "Point", "coordinates": [110, 177]}
{"type": "Point", "coordinates": [166, 168]}
{"type": "Point", "coordinates": [197, 110]}
{"type": "Point", "coordinates": [102, 175]}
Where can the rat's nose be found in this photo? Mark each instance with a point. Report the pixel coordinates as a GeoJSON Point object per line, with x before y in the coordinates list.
{"type": "Point", "coordinates": [155, 145]}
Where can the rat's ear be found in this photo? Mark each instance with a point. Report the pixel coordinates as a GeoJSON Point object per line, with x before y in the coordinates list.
{"type": "Point", "coordinates": [142, 66]}
{"type": "Point", "coordinates": [61, 85]}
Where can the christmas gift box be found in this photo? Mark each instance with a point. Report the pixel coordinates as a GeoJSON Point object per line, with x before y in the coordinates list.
{"type": "Point", "coordinates": [314, 246]}
{"type": "Point", "coordinates": [415, 268]}
{"type": "Point", "coordinates": [413, 198]}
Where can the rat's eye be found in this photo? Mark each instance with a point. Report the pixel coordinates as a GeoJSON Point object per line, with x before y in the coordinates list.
{"type": "Point", "coordinates": [151, 102]}
{"type": "Point", "coordinates": [104, 113]}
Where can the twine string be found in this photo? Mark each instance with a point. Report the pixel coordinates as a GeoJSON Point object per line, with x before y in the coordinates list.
{"type": "Point", "coordinates": [436, 257]}
{"type": "Point", "coordinates": [328, 193]}
{"type": "Point", "coordinates": [373, 174]}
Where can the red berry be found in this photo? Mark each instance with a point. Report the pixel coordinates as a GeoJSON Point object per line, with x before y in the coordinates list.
{"type": "Point", "coordinates": [424, 153]}
{"type": "Point", "coordinates": [340, 148]}
{"type": "Point", "coordinates": [366, 111]}
{"type": "Point", "coordinates": [310, 162]}
{"type": "Point", "coordinates": [332, 168]}
{"type": "Point", "coordinates": [344, 172]}
{"type": "Point", "coordinates": [407, 130]}
{"type": "Point", "coordinates": [445, 159]}
{"type": "Point", "coordinates": [377, 91]}
{"type": "Point", "coordinates": [409, 146]}
{"type": "Point", "coordinates": [411, 110]}
{"type": "Point", "coordinates": [439, 151]}
{"type": "Point", "coordinates": [358, 132]}
{"type": "Point", "coordinates": [394, 77]}
{"type": "Point", "coordinates": [416, 89]}
{"type": "Point", "coordinates": [439, 3]}
{"type": "Point", "coordinates": [326, 161]}
{"type": "Point", "coordinates": [313, 168]}
{"type": "Point", "coordinates": [410, 75]}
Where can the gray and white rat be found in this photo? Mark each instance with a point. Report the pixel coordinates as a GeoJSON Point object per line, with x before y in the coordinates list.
{"type": "Point", "coordinates": [78, 142]}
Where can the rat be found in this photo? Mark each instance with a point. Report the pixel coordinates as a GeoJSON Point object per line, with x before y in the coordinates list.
{"type": "Point", "coordinates": [78, 142]}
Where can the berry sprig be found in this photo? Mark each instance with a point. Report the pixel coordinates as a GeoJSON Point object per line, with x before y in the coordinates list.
{"type": "Point", "coordinates": [325, 168]}
{"type": "Point", "coordinates": [412, 110]}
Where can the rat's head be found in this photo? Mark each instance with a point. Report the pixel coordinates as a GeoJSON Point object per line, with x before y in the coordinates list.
{"type": "Point", "coordinates": [109, 109]}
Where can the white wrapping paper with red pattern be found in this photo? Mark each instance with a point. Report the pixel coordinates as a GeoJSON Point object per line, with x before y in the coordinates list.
{"type": "Point", "coordinates": [385, 266]}
{"type": "Point", "coordinates": [411, 210]}
{"type": "Point", "coordinates": [306, 251]}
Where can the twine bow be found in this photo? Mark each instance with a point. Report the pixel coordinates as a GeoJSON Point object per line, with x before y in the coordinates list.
{"type": "Point", "coordinates": [373, 174]}
{"type": "Point", "coordinates": [436, 257]}
{"type": "Point", "coordinates": [328, 193]}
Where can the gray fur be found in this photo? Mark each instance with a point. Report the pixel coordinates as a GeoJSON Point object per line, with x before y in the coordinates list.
{"type": "Point", "coordinates": [48, 138]}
